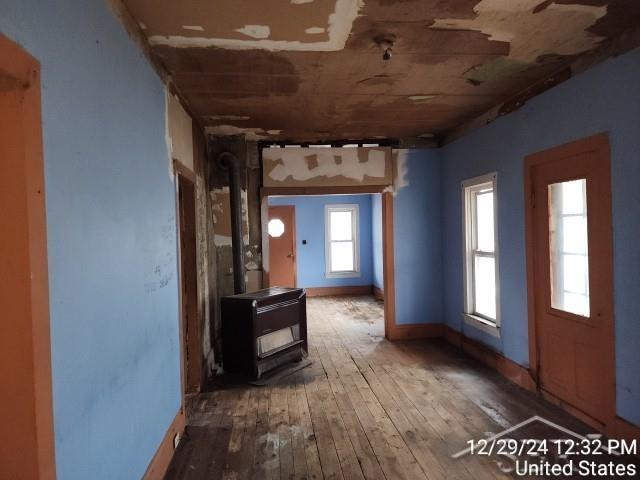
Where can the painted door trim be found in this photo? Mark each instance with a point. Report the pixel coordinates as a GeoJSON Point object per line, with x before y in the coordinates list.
{"type": "Point", "coordinates": [21, 74]}
{"type": "Point", "coordinates": [388, 268]}
{"type": "Point", "coordinates": [599, 142]}
{"type": "Point", "coordinates": [181, 171]}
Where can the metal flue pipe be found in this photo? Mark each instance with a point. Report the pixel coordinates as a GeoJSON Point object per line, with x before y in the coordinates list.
{"type": "Point", "coordinates": [230, 162]}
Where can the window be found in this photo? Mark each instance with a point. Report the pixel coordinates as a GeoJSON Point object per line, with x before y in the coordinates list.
{"type": "Point", "coordinates": [341, 244]}
{"type": "Point", "coordinates": [569, 249]}
{"type": "Point", "coordinates": [481, 246]}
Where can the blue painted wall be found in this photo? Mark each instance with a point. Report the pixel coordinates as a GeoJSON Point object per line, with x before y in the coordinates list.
{"type": "Point", "coordinates": [111, 238]}
{"type": "Point", "coordinates": [418, 240]}
{"type": "Point", "coordinates": [604, 99]}
{"type": "Point", "coordinates": [376, 240]}
{"type": "Point", "coordinates": [310, 227]}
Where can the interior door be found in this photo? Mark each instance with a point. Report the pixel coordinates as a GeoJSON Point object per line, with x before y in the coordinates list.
{"type": "Point", "coordinates": [282, 246]}
{"type": "Point", "coordinates": [570, 210]}
{"type": "Point", "coordinates": [189, 285]}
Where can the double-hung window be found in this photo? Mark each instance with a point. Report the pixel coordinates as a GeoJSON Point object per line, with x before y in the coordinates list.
{"type": "Point", "coordinates": [480, 249]}
{"type": "Point", "coordinates": [341, 242]}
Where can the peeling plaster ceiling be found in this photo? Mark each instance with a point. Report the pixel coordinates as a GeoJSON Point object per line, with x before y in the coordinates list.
{"type": "Point", "coordinates": [313, 69]}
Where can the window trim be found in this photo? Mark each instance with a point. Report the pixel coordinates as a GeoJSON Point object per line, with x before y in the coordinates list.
{"type": "Point", "coordinates": [468, 234]}
{"type": "Point", "coordinates": [355, 227]}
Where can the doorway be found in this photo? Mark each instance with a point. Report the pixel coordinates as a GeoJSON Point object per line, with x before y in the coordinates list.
{"type": "Point", "coordinates": [384, 288]}
{"type": "Point", "coordinates": [570, 284]}
{"type": "Point", "coordinates": [191, 338]}
{"type": "Point", "coordinates": [281, 230]}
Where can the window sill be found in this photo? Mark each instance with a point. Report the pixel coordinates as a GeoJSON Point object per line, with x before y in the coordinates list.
{"type": "Point", "coordinates": [342, 275]}
{"type": "Point", "coordinates": [482, 325]}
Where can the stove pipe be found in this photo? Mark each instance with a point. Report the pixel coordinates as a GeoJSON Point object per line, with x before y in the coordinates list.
{"type": "Point", "coordinates": [230, 162]}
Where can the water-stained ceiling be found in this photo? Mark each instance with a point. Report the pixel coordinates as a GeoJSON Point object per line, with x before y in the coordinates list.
{"type": "Point", "coordinates": [314, 69]}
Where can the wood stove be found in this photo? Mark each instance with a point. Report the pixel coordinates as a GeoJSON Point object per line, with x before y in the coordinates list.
{"type": "Point", "coordinates": [263, 330]}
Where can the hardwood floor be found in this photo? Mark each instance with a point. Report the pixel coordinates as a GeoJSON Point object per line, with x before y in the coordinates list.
{"type": "Point", "coordinates": [365, 409]}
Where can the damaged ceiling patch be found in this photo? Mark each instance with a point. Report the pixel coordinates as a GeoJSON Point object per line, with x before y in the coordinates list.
{"type": "Point", "coordinates": [249, 133]}
{"type": "Point", "coordinates": [421, 98]}
{"type": "Point", "coordinates": [531, 33]}
{"type": "Point", "coordinates": [291, 166]}
{"type": "Point", "coordinates": [227, 117]}
{"type": "Point", "coordinates": [479, 59]}
{"type": "Point", "coordinates": [500, 67]}
{"type": "Point", "coordinates": [255, 31]}
{"type": "Point", "coordinates": [338, 28]}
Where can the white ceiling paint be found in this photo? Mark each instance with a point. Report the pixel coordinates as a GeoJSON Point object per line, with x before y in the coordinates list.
{"type": "Point", "coordinates": [339, 26]}
{"type": "Point", "coordinates": [558, 29]}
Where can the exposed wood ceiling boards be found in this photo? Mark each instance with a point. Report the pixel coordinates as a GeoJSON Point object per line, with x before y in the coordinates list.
{"type": "Point", "coordinates": [313, 69]}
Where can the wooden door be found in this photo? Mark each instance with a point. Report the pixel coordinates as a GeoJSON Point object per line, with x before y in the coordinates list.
{"type": "Point", "coordinates": [282, 246]}
{"type": "Point", "coordinates": [572, 286]}
{"type": "Point", "coordinates": [191, 339]}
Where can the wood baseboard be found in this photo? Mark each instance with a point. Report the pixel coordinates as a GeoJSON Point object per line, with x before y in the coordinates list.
{"type": "Point", "coordinates": [339, 291]}
{"type": "Point", "coordinates": [162, 458]}
{"type": "Point", "coordinates": [507, 368]}
{"type": "Point", "coordinates": [618, 428]}
{"type": "Point", "coordinates": [573, 411]}
{"type": "Point", "coordinates": [415, 331]}
{"type": "Point", "coordinates": [378, 293]}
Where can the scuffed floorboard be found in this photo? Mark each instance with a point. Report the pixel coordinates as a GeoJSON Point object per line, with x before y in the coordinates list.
{"type": "Point", "coordinates": [365, 409]}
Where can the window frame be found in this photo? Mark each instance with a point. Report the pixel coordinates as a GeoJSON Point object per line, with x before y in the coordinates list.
{"type": "Point", "coordinates": [355, 227]}
{"type": "Point", "coordinates": [469, 234]}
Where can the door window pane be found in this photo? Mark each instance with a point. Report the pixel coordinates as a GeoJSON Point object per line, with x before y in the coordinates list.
{"type": "Point", "coordinates": [573, 198]}
{"type": "Point", "coordinates": [275, 227]}
{"type": "Point", "coordinates": [576, 303]}
{"type": "Point", "coordinates": [575, 273]}
{"type": "Point", "coordinates": [485, 286]}
{"type": "Point", "coordinates": [342, 257]}
{"type": "Point", "coordinates": [574, 238]}
{"type": "Point", "coordinates": [341, 226]}
{"type": "Point", "coordinates": [569, 247]}
{"type": "Point", "coordinates": [484, 221]}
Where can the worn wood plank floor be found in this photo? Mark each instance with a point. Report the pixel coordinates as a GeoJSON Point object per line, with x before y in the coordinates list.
{"type": "Point", "coordinates": [365, 409]}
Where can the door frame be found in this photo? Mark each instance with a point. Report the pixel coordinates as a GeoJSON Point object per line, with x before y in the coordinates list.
{"type": "Point", "coordinates": [20, 75]}
{"type": "Point", "coordinates": [183, 174]}
{"type": "Point", "coordinates": [295, 245]}
{"type": "Point", "coordinates": [392, 331]}
{"type": "Point", "coordinates": [596, 143]}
